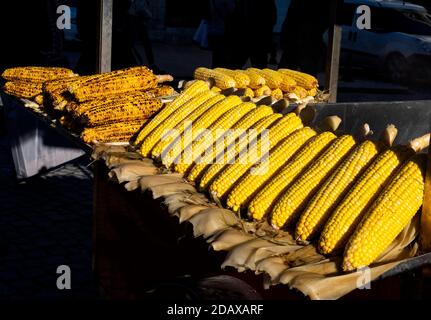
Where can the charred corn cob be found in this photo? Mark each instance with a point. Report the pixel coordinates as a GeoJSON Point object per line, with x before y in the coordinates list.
{"type": "Point", "coordinates": [251, 182]}
{"type": "Point", "coordinates": [196, 110]}
{"type": "Point", "coordinates": [222, 80]}
{"type": "Point", "coordinates": [353, 206]}
{"type": "Point", "coordinates": [115, 85]}
{"type": "Point", "coordinates": [117, 132]}
{"type": "Point", "coordinates": [170, 122]}
{"type": "Point", "coordinates": [36, 74]}
{"type": "Point", "coordinates": [238, 129]}
{"type": "Point", "coordinates": [390, 213]}
{"type": "Point", "coordinates": [225, 157]}
{"type": "Point", "coordinates": [297, 195]}
{"type": "Point", "coordinates": [121, 110]}
{"type": "Point", "coordinates": [194, 89]}
{"type": "Point", "coordinates": [39, 99]}
{"type": "Point", "coordinates": [215, 130]}
{"type": "Point", "coordinates": [201, 123]}
{"type": "Point", "coordinates": [256, 80]}
{"type": "Point", "coordinates": [302, 79]}
{"type": "Point", "coordinates": [23, 89]}
{"type": "Point", "coordinates": [241, 79]}
{"type": "Point", "coordinates": [228, 177]}
{"type": "Point", "coordinates": [319, 208]}
{"type": "Point", "coordinates": [160, 91]}
{"type": "Point", "coordinates": [264, 200]}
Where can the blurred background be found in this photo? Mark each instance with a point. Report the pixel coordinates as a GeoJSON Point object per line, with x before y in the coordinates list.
{"type": "Point", "coordinates": [391, 61]}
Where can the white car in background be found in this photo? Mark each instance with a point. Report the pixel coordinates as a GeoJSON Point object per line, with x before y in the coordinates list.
{"type": "Point", "coordinates": [398, 45]}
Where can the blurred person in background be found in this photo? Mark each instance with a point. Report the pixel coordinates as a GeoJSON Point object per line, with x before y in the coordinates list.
{"type": "Point", "coordinates": [217, 13]}
{"type": "Point", "coordinates": [30, 35]}
{"type": "Point", "coordinates": [140, 18]}
{"type": "Point", "coordinates": [301, 35]}
{"type": "Point", "coordinates": [250, 31]}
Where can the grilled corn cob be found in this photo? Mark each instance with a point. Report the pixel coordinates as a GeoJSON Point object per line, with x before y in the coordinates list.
{"type": "Point", "coordinates": [223, 158]}
{"type": "Point", "coordinates": [222, 80]}
{"type": "Point", "coordinates": [117, 132]}
{"type": "Point", "coordinates": [251, 182]}
{"type": "Point", "coordinates": [264, 200]}
{"type": "Point", "coordinates": [238, 129]}
{"type": "Point", "coordinates": [302, 79]}
{"type": "Point", "coordinates": [122, 109]}
{"type": "Point", "coordinates": [203, 122]}
{"type": "Point", "coordinates": [23, 89]}
{"type": "Point", "coordinates": [256, 80]}
{"type": "Point", "coordinates": [228, 177]}
{"type": "Point", "coordinates": [288, 83]}
{"type": "Point", "coordinates": [194, 89]}
{"type": "Point", "coordinates": [195, 111]}
{"type": "Point", "coordinates": [160, 91]}
{"type": "Point", "coordinates": [390, 213]}
{"type": "Point", "coordinates": [241, 79]}
{"type": "Point", "coordinates": [36, 74]}
{"type": "Point", "coordinates": [39, 99]}
{"type": "Point", "coordinates": [170, 122]}
{"type": "Point", "coordinates": [115, 85]}
{"type": "Point", "coordinates": [217, 128]}
{"type": "Point", "coordinates": [351, 209]}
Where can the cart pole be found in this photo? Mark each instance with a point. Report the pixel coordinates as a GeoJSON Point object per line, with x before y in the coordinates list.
{"type": "Point", "coordinates": [104, 49]}
{"type": "Point", "coordinates": [333, 53]}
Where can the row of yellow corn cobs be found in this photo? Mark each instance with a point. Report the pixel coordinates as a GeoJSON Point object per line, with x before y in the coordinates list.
{"type": "Point", "coordinates": [343, 192]}
{"type": "Point", "coordinates": [109, 106]}
{"type": "Point", "coordinates": [279, 84]}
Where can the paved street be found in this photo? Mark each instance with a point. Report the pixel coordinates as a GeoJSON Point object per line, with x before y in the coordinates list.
{"type": "Point", "coordinates": [45, 222]}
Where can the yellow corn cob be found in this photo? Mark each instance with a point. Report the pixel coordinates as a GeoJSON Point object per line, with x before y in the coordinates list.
{"type": "Point", "coordinates": [253, 180]}
{"type": "Point", "coordinates": [288, 83]}
{"type": "Point", "coordinates": [222, 80]}
{"type": "Point", "coordinates": [226, 157]}
{"type": "Point", "coordinates": [264, 200]}
{"type": "Point", "coordinates": [121, 109]}
{"type": "Point", "coordinates": [325, 200]}
{"type": "Point", "coordinates": [312, 92]}
{"type": "Point", "coordinates": [194, 89]}
{"type": "Point", "coordinates": [116, 85]}
{"type": "Point", "coordinates": [302, 79]}
{"type": "Point", "coordinates": [300, 92]}
{"type": "Point", "coordinates": [116, 132]}
{"type": "Point", "coordinates": [389, 214]}
{"type": "Point", "coordinates": [36, 74]}
{"type": "Point", "coordinates": [203, 122]}
{"type": "Point", "coordinates": [351, 209]}
{"type": "Point", "coordinates": [160, 91]}
{"type": "Point", "coordinates": [216, 89]}
{"type": "Point", "coordinates": [228, 177]}
{"type": "Point", "coordinates": [249, 93]}
{"type": "Point", "coordinates": [171, 121]}
{"type": "Point", "coordinates": [238, 128]}
{"type": "Point", "coordinates": [297, 195]}
{"type": "Point", "coordinates": [39, 99]}
{"type": "Point", "coordinates": [241, 79]}
{"type": "Point", "coordinates": [262, 91]}
{"type": "Point", "coordinates": [277, 94]}
{"type": "Point", "coordinates": [216, 129]}
{"type": "Point", "coordinates": [195, 111]}
{"type": "Point", "coordinates": [256, 80]}
{"type": "Point", "coordinates": [23, 89]}
{"type": "Point", "coordinates": [272, 78]}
